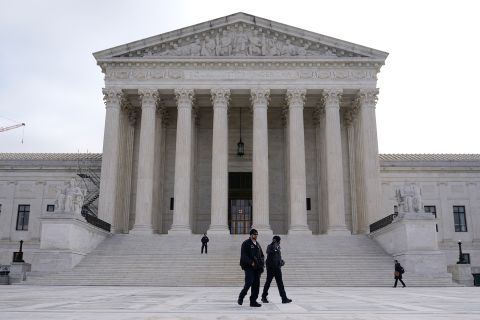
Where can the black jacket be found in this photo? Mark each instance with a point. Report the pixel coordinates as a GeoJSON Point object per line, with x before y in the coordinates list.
{"type": "Point", "coordinates": [204, 239]}
{"type": "Point", "coordinates": [252, 253]}
{"type": "Point", "coordinates": [399, 269]}
{"type": "Point", "coordinates": [274, 256]}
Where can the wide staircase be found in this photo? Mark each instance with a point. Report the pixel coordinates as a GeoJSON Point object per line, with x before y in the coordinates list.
{"type": "Point", "coordinates": [166, 260]}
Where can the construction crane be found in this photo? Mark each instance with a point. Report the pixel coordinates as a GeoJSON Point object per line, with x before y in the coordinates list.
{"type": "Point", "coordinates": [2, 129]}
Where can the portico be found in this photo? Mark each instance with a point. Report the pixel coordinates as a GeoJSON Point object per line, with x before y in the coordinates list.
{"type": "Point", "coordinates": [308, 117]}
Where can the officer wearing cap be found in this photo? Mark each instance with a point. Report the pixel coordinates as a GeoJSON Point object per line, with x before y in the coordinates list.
{"type": "Point", "coordinates": [252, 263]}
{"type": "Point", "coordinates": [274, 265]}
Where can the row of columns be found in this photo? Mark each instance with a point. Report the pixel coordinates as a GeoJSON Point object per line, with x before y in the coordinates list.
{"type": "Point", "coordinates": [145, 193]}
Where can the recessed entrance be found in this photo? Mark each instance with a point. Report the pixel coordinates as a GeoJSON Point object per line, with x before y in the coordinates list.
{"type": "Point", "coordinates": [240, 202]}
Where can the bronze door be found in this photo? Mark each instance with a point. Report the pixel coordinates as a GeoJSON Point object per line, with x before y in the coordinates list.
{"type": "Point", "coordinates": [240, 216]}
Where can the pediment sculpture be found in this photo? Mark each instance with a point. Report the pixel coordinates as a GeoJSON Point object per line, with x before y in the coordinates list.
{"type": "Point", "coordinates": [240, 41]}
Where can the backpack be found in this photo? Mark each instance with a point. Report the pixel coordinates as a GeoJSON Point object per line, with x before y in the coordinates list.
{"type": "Point", "coordinates": [402, 271]}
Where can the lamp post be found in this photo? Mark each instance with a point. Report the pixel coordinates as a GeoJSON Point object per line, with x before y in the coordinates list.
{"type": "Point", "coordinates": [460, 254]}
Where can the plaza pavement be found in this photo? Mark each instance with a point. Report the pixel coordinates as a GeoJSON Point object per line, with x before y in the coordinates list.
{"type": "Point", "coordinates": [122, 303]}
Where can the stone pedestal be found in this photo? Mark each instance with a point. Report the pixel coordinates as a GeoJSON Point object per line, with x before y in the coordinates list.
{"type": "Point", "coordinates": [65, 239]}
{"type": "Point", "coordinates": [462, 274]}
{"type": "Point", "coordinates": [412, 240]}
{"type": "Point", "coordinates": [18, 271]}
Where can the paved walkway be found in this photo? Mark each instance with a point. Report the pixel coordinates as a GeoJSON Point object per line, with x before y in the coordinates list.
{"type": "Point", "coordinates": [121, 303]}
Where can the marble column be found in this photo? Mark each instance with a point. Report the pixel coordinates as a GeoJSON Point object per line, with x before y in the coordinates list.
{"type": "Point", "coordinates": [183, 163]}
{"type": "Point", "coordinates": [298, 186]}
{"type": "Point", "coordinates": [333, 148]}
{"type": "Point", "coordinates": [127, 123]}
{"type": "Point", "coordinates": [219, 205]}
{"type": "Point", "coordinates": [319, 119]}
{"type": "Point", "coordinates": [146, 163]}
{"type": "Point", "coordinates": [349, 116]}
{"type": "Point", "coordinates": [368, 168]}
{"type": "Point", "coordinates": [111, 143]}
{"type": "Point", "coordinates": [474, 208]}
{"type": "Point", "coordinates": [447, 224]}
{"type": "Point", "coordinates": [261, 219]}
{"type": "Point", "coordinates": [159, 171]}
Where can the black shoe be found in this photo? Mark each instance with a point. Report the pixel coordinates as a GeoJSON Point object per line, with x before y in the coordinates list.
{"type": "Point", "coordinates": [286, 300]}
{"type": "Point", "coordinates": [264, 300]}
{"type": "Point", "coordinates": [255, 304]}
{"type": "Point", "coordinates": [403, 286]}
{"type": "Point", "coordinates": [240, 301]}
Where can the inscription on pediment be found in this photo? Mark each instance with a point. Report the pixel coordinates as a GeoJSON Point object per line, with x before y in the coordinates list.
{"type": "Point", "coordinates": [240, 40]}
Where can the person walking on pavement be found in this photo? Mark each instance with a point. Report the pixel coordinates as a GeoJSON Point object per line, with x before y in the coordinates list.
{"type": "Point", "coordinates": [274, 265]}
{"type": "Point", "coordinates": [399, 271]}
{"type": "Point", "coordinates": [252, 263]}
{"type": "Point", "coordinates": [204, 243]}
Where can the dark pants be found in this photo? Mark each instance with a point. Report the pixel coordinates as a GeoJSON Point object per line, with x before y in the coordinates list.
{"type": "Point", "coordinates": [252, 279]}
{"type": "Point", "coordinates": [277, 274]}
{"type": "Point", "coordinates": [396, 280]}
{"type": "Point", "coordinates": [204, 245]}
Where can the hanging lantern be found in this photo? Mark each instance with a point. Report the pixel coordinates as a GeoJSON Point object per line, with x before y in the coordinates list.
{"type": "Point", "coordinates": [240, 145]}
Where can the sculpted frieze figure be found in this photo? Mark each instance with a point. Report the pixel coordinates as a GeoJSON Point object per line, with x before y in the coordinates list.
{"type": "Point", "coordinates": [241, 41]}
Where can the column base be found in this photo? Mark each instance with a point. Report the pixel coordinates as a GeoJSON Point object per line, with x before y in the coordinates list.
{"type": "Point", "coordinates": [180, 230]}
{"type": "Point", "coordinates": [338, 231]}
{"type": "Point", "coordinates": [142, 230]}
{"type": "Point", "coordinates": [218, 230]}
{"type": "Point", "coordinates": [299, 230]}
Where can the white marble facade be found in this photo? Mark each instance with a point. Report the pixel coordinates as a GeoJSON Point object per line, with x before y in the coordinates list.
{"type": "Point", "coordinates": [308, 123]}
{"type": "Point", "coordinates": [309, 126]}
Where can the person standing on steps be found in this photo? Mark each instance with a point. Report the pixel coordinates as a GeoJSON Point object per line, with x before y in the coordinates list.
{"type": "Point", "coordinates": [274, 265]}
{"type": "Point", "coordinates": [204, 243]}
{"type": "Point", "coordinates": [252, 263]}
{"type": "Point", "coordinates": [399, 271]}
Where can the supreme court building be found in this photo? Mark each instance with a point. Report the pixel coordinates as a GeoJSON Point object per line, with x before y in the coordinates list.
{"type": "Point", "coordinates": [302, 104]}
{"type": "Point", "coordinates": [235, 123]}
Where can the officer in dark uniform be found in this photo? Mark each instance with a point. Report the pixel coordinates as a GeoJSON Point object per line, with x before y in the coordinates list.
{"type": "Point", "coordinates": [204, 243]}
{"type": "Point", "coordinates": [274, 265]}
{"type": "Point", "coordinates": [399, 271]}
{"type": "Point", "coordinates": [252, 263]}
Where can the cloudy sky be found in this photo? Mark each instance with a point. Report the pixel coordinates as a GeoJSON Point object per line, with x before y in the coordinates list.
{"type": "Point", "coordinates": [428, 100]}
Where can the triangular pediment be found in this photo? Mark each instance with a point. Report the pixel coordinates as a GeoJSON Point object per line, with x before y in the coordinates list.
{"type": "Point", "coordinates": [240, 36]}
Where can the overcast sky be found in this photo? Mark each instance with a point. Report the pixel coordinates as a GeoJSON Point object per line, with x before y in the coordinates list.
{"type": "Point", "coordinates": [428, 101]}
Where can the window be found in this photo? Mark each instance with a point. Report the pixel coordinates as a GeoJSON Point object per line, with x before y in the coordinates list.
{"type": "Point", "coordinates": [395, 209]}
{"type": "Point", "coordinates": [50, 207]}
{"type": "Point", "coordinates": [22, 217]}
{"type": "Point", "coordinates": [459, 219]}
{"type": "Point", "coordinates": [432, 210]}
{"type": "Point", "coordinates": [309, 204]}
{"type": "Point", "coordinates": [171, 203]}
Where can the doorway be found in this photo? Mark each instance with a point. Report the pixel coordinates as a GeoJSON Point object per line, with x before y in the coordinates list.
{"type": "Point", "coordinates": [240, 202]}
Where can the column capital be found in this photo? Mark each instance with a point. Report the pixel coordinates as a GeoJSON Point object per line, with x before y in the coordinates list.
{"type": "Point", "coordinates": [259, 97]}
{"type": "Point", "coordinates": [331, 97]}
{"type": "Point", "coordinates": [296, 97]}
{"type": "Point", "coordinates": [112, 97]}
{"type": "Point", "coordinates": [368, 97]}
{"type": "Point", "coordinates": [185, 97]}
{"type": "Point", "coordinates": [149, 97]}
{"type": "Point", "coordinates": [220, 97]}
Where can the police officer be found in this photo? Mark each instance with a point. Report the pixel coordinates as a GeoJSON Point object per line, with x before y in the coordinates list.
{"type": "Point", "coordinates": [204, 243]}
{"type": "Point", "coordinates": [252, 263]}
{"type": "Point", "coordinates": [274, 265]}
